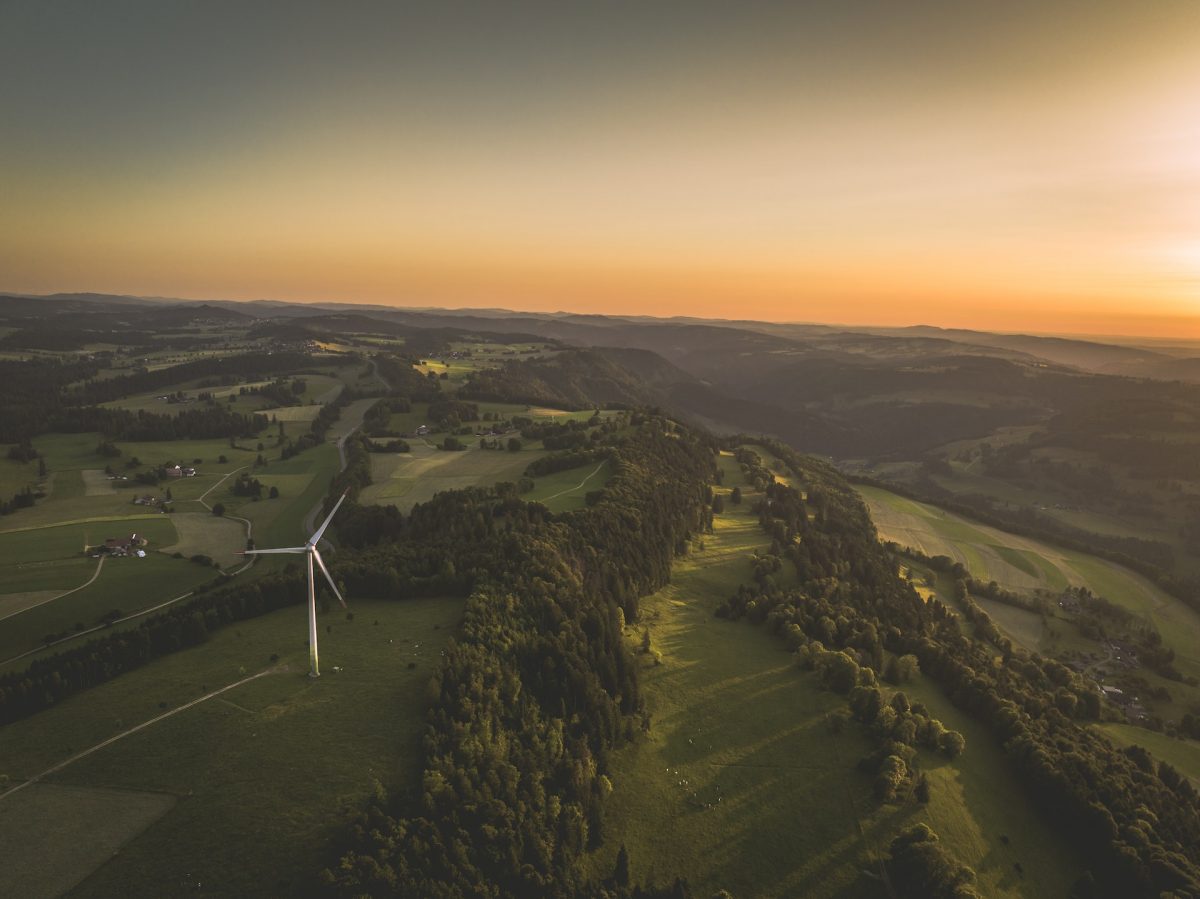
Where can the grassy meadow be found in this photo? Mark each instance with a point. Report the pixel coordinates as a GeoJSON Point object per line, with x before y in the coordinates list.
{"type": "Point", "coordinates": [740, 785]}
{"type": "Point", "coordinates": [1024, 564]}
{"type": "Point", "coordinates": [566, 490]}
{"type": "Point", "coordinates": [297, 757]}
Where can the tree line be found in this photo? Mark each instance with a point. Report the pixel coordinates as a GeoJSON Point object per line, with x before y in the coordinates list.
{"type": "Point", "coordinates": [1135, 819]}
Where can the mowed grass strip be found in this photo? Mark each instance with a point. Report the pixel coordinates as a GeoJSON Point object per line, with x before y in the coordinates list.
{"type": "Point", "coordinates": [53, 836]}
{"type": "Point", "coordinates": [266, 774]}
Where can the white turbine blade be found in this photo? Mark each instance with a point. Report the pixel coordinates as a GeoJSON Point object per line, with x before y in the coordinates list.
{"type": "Point", "coordinates": [328, 577]}
{"type": "Point", "coordinates": [316, 538]}
{"type": "Point", "coordinates": [263, 552]}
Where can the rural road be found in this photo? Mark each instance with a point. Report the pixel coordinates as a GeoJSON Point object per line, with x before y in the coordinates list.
{"type": "Point", "coordinates": [279, 669]}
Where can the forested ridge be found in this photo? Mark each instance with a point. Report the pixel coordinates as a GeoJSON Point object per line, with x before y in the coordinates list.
{"type": "Point", "coordinates": [538, 686]}
{"type": "Point", "coordinates": [1136, 820]}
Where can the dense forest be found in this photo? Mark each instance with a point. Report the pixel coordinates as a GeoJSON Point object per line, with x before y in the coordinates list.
{"type": "Point", "coordinates": [1137, 820]}
{"type": "Point", "coordinates": [538, 687]}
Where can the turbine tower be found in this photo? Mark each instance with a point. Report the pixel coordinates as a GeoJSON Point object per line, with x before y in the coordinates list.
{"type": "Point", "coordinates": [309, 549]}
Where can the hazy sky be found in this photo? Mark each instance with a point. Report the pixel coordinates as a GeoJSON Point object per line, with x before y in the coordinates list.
{"type": "Point", "coordinates": [1031, 166]}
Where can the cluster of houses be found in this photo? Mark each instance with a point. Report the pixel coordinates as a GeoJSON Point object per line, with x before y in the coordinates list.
{"type": "Point", "coordinates": [179, 471]}
{"type": "Point", "coordinates": [124, 546]}
{"type": "Point", "coordinates": [1134, 710]}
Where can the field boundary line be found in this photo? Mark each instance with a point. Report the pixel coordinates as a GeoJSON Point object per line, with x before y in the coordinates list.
{"type": "Point", "coordinates": [142, 726]}
{"type": "Point", "coordinates": [98, 627]}
{"type": "Point", "coordinates": [87, 583]}
{"type": "Point", "coordinates": [99, 519]}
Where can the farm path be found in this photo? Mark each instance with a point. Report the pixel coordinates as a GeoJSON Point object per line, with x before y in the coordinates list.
{"type": "Point", "coordinates": [87, 583]}
{"type": "Point", "coordinates": [200, 499]}
{"type": "Point", "coordinates": [246, 521]}
{"type": "Point", "coordinates": [350, 421]}
{"type": "Point", "coordinates": [279, 669]}
{"type": "Point", "coordinates": [595, 471]}
{"type": "Point", "coordinates": [106, 625]}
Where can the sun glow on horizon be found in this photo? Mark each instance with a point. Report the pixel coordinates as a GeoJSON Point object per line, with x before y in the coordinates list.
{"type": "Point", "coordinates": [779, 164]}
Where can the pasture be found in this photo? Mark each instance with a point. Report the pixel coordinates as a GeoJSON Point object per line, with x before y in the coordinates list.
{"type": "Point", "coordinates": [566, 490]}
{"type": "Point", "coordinates": [206, 534]}
{"type": "Point", "coordinates": [318, 389]}
{"type": "Point", "coordinates": [55, 835]}
{"type": "Point", "coordinates": [297, 757]}
{"type": "Point", "coordinates": [126, 585]}
{"type": "Point", "coordinates": [738, 754]}
{"type": "Point", "coordinates": [1181, 754]}
{"type": "Point", "coordinates": [405, 479]}
{"type": "Point", "coordinates": [76, 476]}
{"type": "Point", "coordinates": [1015, 562]}
{"type": "Point", "coordinates": [991, 554]}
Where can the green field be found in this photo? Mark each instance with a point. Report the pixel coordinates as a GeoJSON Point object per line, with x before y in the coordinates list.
{"type": "Point", "coordinates": [295, 758]}
{"type": "Point", "coordinates": [55, 835]}
{"type": "Point", "coordinates": [405, 479]}
{"type": "Point", "coordinates": [990, 554]}
{"type": "Point", "coordinates": [205, 534]}
{"type": "Point", "coordinates": [740, 786]}
{"type": "Point", "coordinates": [125, 584]}
{"type": "Point", "coordinates": [1183, 755]}
{"type": "Point", "coordinates": [72, 457]}
{"type": "Point", "coordinates": [566, 490]}
{"type": "Point", "coordinates": [319, 388]}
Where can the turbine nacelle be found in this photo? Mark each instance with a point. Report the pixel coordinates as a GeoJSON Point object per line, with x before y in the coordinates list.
{"type": "Point", "coordinates": [310, 550]}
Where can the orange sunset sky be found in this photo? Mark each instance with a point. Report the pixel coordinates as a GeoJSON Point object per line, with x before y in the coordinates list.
{"type": "Point", "coordinates": [1016, 166]}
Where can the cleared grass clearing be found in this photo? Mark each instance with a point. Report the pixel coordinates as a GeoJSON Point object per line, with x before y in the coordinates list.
{"type": "Point", "coordinates": [406, 479]}
{"type": "Point", "coordinates": [1014, 562]}
{"type": "Point", "coordinates": [202, 532]}
{"type": "Point", "coordinates": [68, 455]}
{"type": "Point", "coordinates": [15, 476]}
{"type": "Point", "coordinates": [977, 799]}
{"type": "Point", "coordinates": [297, 757]}
{"type": "Point", "coordinates": [53, 836]}
{"type": "Point", "coordinates": [1024, 627]}
{"type": "Point", "coordinates": [566, 490]}
{"type": "Point", "coordinates": [739, 785]}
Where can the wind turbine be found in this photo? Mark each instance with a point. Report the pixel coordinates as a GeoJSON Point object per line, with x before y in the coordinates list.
{"type": "Point", "coordinates": [309, 549]}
